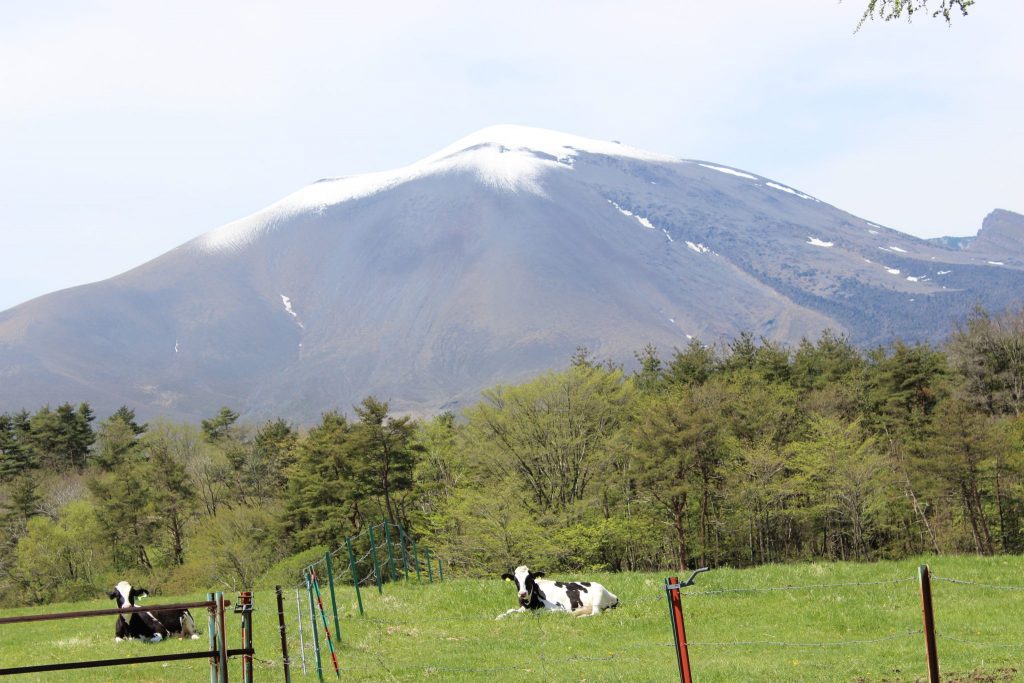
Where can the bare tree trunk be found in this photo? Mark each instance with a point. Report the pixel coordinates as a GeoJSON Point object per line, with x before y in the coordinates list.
{"type": "Point", "coordinates": [908, 490]}
{"type": "Point", "coordinates": [679, 521]}
{"type": "Point", "coordinates": [1000, 509]}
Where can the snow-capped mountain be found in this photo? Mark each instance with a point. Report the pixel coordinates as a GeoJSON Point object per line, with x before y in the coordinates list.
{"type": "Point", "coordinates": [485, 263]}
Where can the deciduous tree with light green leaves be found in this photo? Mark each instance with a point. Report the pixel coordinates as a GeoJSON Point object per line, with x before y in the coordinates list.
{"type": "Point", "coordinates": [551, 435]}
{"type": "Point", "coordinates": [887, 10]}
{"type": "Point", "coordinates": [847, 487]}
{"type": "Point", "coordinates": [63, 558]}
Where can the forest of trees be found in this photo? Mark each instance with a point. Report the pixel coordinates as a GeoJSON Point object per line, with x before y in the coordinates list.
{"type": "Point", "coordinates": [736, 455]}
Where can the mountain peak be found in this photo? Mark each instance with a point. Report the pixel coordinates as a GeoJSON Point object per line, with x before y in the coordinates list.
{"type": "Point", "coordinates": [1001, 231]}
{"type": "Point", "coordinates": [504, 157]}
{"type": "Point", "coordinates": [552, 143]}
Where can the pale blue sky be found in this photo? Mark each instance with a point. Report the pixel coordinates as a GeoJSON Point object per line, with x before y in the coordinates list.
{"type": "Point", "coordinates": [127, 128]}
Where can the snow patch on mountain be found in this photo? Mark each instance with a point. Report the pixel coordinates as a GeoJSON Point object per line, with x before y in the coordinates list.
{"type": "Point", "coordinates": [699, 248]}
{"type": "Point", "coordinates": [624, 212]}
{"type": "Point", "coordinates": [554, 143]}
{"type": "Point", "coordinates": [288, 307]}
{"type": "Point", "coordinates": [819, 243]}
{"type": "Point", "coordinates": [730, 171]}
{"type": "Point", "coordinates": [790, 190]}
{"type": "Point", "coordinates": [507, 158]}
{"type": "Point", "coordinates": [643, 221]}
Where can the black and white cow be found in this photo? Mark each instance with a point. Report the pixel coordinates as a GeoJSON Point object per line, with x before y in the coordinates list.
{"type": "Point", "coordinates": [150, 626]}
{"type": "Point", "coordinates": [581, 598]}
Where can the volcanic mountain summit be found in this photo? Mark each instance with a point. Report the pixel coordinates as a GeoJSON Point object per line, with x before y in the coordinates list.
{"type": "Point", "coordinates": [487, 262]}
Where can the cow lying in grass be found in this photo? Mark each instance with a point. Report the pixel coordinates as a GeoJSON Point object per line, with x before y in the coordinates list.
{"type": "Point", "coordinates": [150, 626]}
{"type": "Point", "coordinates": [581, 598]}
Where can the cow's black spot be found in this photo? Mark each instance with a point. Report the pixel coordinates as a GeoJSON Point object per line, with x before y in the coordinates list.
{"type": "Point", "coordinates": [585, 583]}
{"type": "Point", "coordinates": [535, 595]}
{"type": "Point", "coordinates": [573, 591]}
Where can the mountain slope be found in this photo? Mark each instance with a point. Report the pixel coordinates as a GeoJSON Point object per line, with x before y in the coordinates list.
{"type": "Point", "coordinates": [488, 262]}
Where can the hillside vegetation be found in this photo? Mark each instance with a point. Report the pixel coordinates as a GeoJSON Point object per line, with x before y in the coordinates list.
{"type": "Point", "coordinates": [741, 455]}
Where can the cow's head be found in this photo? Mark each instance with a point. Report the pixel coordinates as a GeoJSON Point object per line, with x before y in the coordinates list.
{"type": "Point", "coordinates": [525, 582]}
{"type": "Point", "coordinates": [124, 593]}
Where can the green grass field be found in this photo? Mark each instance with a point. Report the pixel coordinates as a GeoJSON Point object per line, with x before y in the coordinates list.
{"type": "Point", "coordinates": [447, 631]}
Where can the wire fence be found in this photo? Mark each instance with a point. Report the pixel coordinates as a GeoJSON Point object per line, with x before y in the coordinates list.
{"type": "Point", "coordinates": [379, 554]}
{"type": "Point", "coordinates": [812, 586]}
{"type": "Point", "coordinates": [548, 656]}
{"type": "Point", "coordinates": [819, 643]}
{"type": "Point", "coordinates": [961, 582]}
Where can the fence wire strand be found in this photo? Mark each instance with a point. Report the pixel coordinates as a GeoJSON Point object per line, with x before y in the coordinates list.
{"type": "Point", "coordinates": [822, 643]}
{"type": "Point", "coordinates": [775, 589]}
{"type": "Point", "coordinates": [979, 643]}
{"type": "Point", "coordinates": [991, 586]}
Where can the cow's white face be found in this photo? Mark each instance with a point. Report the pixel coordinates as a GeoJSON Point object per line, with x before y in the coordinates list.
{"type": "Point", "coordinates": [124, 593]}
{"type": "Point", "coordinates": [525, 582]}
{"type": "Point", "coordinates": [522, 574]}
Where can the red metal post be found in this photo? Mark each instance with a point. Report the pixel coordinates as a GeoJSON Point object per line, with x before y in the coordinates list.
{"type": "Point", "coordinates": [924, 574]}
{"type": "Point", "coordinates": [675, 607]}
{"type": "Point", "coordinates": [323, 618]}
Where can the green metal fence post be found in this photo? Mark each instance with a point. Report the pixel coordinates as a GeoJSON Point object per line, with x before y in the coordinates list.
{"type": "Point", "coordinates": [312, 623]}
{"type": "Point", "coordinates": [440, 570]}
{"type": "Point", "coordinates": [376, 566]}
{"type": "Point", "coordinates": [334, 600]}
{"type": "Point", "coordinates": [323, 618]}
{"type": "Point", "coordinates": [391, 553]}
{"type": "Point", "coordinates": [355, 573]}
{"type": "Point", "coordinates": [405, 553]}
{"type": "Point", "coordinates": [430, 565]}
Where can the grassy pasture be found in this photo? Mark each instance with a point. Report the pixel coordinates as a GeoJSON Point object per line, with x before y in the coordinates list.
{"type": "Point", "coordinates": [447, 631]}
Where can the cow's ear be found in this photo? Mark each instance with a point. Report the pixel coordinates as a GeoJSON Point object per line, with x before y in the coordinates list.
{"type": "Point", "coordinates": [537, 575]}
{"type": "Point", "coordinates": [506, 576]}
{"type": "Point", "coordinates": [141, 593]}
{"type": "Point", "coordinates": [112, 594]}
